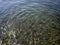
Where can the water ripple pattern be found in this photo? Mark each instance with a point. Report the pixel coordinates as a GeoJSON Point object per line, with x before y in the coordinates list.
{"type": "Point", "coordinates": [29, 22]}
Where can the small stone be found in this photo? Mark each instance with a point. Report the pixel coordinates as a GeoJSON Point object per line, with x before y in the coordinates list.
{"type": "Point", "coordinates": [4, 29]}
{"type": "Point", "coordinates": [1, 27]}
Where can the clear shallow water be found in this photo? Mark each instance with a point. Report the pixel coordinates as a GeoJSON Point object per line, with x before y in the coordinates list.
{"type": "Point", "coordinates": [29, 13]}
{"type": "Point", "coordinates": [7, 4]}
{"type": "Point", "coordinates": [11, 8]}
